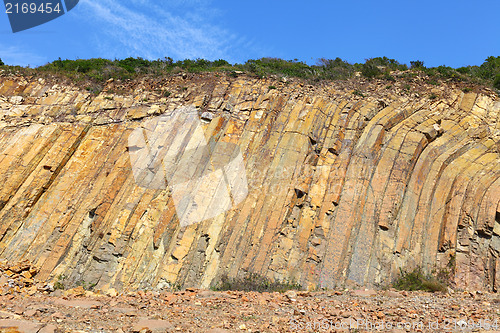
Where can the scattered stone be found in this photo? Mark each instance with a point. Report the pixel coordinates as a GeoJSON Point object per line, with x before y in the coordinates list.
{"type": "Point", "coordinates": [30, 313]}
{"type": "Point", "coordinates": [22, 326]}
{"type": "Point", "coordinates": [390, 293]}
{"type": "Point", "coordinates": [146, 312]}
{"type": "Point", "coordinates": [78, 291]}
{"type": "Point", "coordinates": [16, 99]}
{"type": "Point", "coordinates": [112, 292]}
{"type": "Point", "coordinates": [364, 293]}
{"type": "Point", "coordinates": [49, 328]}
{"type": "Point", "coordinates": [154, 326]}
{"type": "Point", "coordinates": [291, 295]}
{"type": "Point", "coordinates": [207, 116]}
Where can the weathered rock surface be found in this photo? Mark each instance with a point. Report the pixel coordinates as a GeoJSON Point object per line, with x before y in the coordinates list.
{"type": "Point", "coordinates": [343, 189]}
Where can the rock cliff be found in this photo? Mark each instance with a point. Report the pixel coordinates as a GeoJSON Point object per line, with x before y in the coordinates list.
{"type": "Point", "coordinates": [343, 188]}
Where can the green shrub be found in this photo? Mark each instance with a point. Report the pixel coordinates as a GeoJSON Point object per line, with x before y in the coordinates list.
{"type": "Point", "coordinates": [447, 72]}
{"type": "Point", "coordinates": [389, 77]}
{"type": "Point", "coordinates": [220, 63]}
{"type": "Point", "coordinates": [417, 280]}
{"type": "Point", "coordinates": [465, 70]}
{"type": "Point", "coordinates": [1, 63]}
{"type": "Point", "coordinates": [98, 70]}
{"type": "Point", "coordinates": [370, 70]}
{"type": "Point", "coordinates": [134, 65]}
{"type": "Point", "coordinates": [266, 66]}
{"type": "Point", "coordinates": [358, 93]}
{"type": "Point", "coordinates": [389, 64]}
{"type": "Point", "coordinates": [59, 284]}
{"type": "Point", "coordinates": [86, 285]}
{"type": "Point", "coordinates": [496, 82]}
{"type": "Point", "coordinates": [272, 87]}
{"type": "Point", "coordinates": [80, 65]}
{"type": "Point", "coordinates": [489, 69]}
{"type": "Point", "coordinates": [375, 67]}
{"type": "Point", "coordinates": [444, 73]}
{"type": "Point", "coordinates": [335, 69]}
{"type": "Point", "coordinates": [416, 64]}
{"type": "Point", "coordinates": [254, 282]}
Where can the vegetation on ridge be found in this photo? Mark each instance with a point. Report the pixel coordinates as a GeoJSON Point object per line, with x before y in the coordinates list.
{"type": "Point", "coordinates": [99, 70]}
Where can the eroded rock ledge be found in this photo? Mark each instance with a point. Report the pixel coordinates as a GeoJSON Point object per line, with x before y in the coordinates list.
{"type": "Point", "coordinates": [343, 189]}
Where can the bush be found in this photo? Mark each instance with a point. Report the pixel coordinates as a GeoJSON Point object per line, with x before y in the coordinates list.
{"type": "Point", "coordinates": [335, 69]}
{"type": "Point", "coordinates": [265, 66]}
{"type": "Point", "coordinates": [370, 70]}
{"type": "Point", "coordinates": [444, 73]}
{"type": "Point", "coordinates": [254, 282]}
{"type": "Point", "coordinates": [375, 67]}
{"type": "Point", "coordinates": [358, 93]}
{"type": "Point", "coordinates": [80, 65]}
{"type": "Point", "coordinates": [59, 284]}
{"type": "Point", "coordinates": [1, 63]}
{"type": "Point", "coordinates": [447, 72]}
{"type": "Point", "coordinates": [416, 64]}
{"type": "Point", "coordinates": [496, 82]}
{"type": "Point", "coordinates": [389, 77]}
{"type": "Point", "coordinates": [99, 70]}
{"type": "Point", "coordinates": [389, 64]}
{"type": "Point", "coordinates": [489, 69]}
{"type": "Point", "coordinates": [133, 65]}
{"type": "Point", "coordinates": [465, 70]}
{"type": "Point", "coordinates": [416, 280]}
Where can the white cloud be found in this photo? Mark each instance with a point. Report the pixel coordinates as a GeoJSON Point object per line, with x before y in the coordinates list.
{"type": "Point", "coordinates": [13, 55]}
{"type": "Point", "coordinates": [141, 28]}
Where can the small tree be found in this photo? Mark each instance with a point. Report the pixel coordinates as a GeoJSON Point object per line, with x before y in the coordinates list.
{"type": "Point", "coordinates": [370, 70]}
{"type": "Point", "coordinates": [496, 82]}
{"type": "Point", "coordinates": [416, 64]}
{"type": "Point", "coordinates": [1, 62]}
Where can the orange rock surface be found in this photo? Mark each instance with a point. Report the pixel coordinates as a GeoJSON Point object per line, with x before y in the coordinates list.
{"type": "Point", "coordinates": [342, 189]}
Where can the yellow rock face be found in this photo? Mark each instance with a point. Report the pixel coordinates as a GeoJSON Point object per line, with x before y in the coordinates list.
{"type": "Point", "coordinates": [342, 189]}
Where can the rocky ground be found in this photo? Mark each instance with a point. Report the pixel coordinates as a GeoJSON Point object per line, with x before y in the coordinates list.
{"type": "Point", "coordinates": [29, 305]}
{"type": "Point", "coordinates": [193, 310]}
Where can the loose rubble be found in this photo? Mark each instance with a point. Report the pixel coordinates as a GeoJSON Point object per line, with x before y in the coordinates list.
{"type": "Point", "coordinates": [196, 310]}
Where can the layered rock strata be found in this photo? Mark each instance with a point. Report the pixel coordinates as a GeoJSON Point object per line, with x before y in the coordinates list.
{"type": "Point", "coordinates": [343, 188]}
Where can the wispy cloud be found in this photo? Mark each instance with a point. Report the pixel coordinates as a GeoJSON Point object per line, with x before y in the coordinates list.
{"type": "Point", "coordinates": [13, 55]}
{"type": "Point", "coordinates": [141, 28]}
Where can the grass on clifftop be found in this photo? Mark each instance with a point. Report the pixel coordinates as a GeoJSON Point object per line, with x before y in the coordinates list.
{"type": "Point", "coordinates": [99, 70]}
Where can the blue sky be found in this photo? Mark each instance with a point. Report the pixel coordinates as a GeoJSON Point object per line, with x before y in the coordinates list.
{"type": "Point", "coordinates": [455, 33]}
